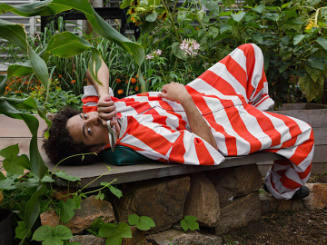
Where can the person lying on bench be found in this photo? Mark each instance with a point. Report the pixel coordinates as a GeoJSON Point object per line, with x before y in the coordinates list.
{"type": "Point", "coordinates": [221, 113]}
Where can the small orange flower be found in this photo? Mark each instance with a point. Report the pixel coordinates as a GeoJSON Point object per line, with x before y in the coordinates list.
{"type": "Point", "coordinates": [59, 76]}
{"type": "Point", "coordinates": [118, 80]}
{"type": "Point", "coordinates": [133, 19]}
{"type": "Point", "coordinates": [120, 91]}
{"type": "Point", "coordinates": [26, 83]}
{"type": "Point", "coordinates": [137, 75]}
{"type": "Point", "coordinates": [133, 80]}
{"type": "Point", "coordinates": [7, 88]}
{"type": "Point", "coordinates": [136, 88]}
{"type": "Point", "coordinates": [73, 81]}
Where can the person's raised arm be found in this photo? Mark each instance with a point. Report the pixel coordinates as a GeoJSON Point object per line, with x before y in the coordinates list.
{"type": "Point", "coordinates": [106, 107]}
{"type": "Point", "coordinates": [177, 92]}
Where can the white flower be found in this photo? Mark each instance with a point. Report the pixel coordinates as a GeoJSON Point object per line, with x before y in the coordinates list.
{"type": "Point", "coordinates": [158, 52]}
{"type": "Point", "coordinates": [149, 57]}
{"type": "Point", "coordinates": [190, 47]}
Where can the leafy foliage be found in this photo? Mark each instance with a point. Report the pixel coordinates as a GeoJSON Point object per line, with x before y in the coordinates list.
{"type": "Point", "coordinates": [189, 223]}
{"type": "Point", "coordinates": [52, 235]}
{"type": "Point", "coordinates": [142, 223]}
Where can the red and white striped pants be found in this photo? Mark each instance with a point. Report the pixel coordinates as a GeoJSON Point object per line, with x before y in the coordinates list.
{"type": "Point", "coordinates": [247, 128]}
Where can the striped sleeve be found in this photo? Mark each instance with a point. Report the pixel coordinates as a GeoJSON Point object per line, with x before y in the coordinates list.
{"type": "Point", "coordinates": [90, 98]}
{"type": "Point", "coordinates": [157, 142]}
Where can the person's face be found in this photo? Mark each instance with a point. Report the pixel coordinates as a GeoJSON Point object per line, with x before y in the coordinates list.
{"type": "Point", "coordinates": [87, 128]}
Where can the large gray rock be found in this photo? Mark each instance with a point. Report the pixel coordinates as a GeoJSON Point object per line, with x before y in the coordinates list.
{"type": "Point", "coordinates": [88, 240]}
{"type": "Point", "coordinates": [234, 182]}
{"type": "Point", "coordinates": [203, 201]}
{"type": "Point", "coordinates": [239, 213]}
{"type": "Point", "coordinates": [177, 237]}
{"type": "Point", "coordinates": [163, 200]}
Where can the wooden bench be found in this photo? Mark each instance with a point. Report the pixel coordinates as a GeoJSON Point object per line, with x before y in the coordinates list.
{"type": "Point", "coordinates": [15, 131]}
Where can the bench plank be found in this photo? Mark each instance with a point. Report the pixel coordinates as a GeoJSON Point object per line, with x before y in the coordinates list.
{"type": "Point", "coordinates": [152, 170]}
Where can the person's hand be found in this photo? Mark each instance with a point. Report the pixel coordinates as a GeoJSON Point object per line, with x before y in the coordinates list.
{"type": "Point", "coordinates": [106, 108]}
{"type": "Point", "coordinates": [175, 91]}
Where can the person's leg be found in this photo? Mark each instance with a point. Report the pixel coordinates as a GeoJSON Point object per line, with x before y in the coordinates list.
{"type": "Point", "coordinates": [239, 73]}
{"type": "Point", "coordinates": [297, 146]}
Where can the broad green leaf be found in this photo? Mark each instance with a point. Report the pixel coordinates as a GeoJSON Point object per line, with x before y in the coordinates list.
{"type": "Point", "coordinates": [213, 32]}
{"type": "Point", "coordinates": [67, 44]}
{"type": "Point", "coordinates": [100, 26]}
{"type": "Point", "coordinates": [47, 179]}
{"type": "Point", "coordinates": [124, 230]}
{"type": "Point", "coordinates": [322, 42]}
{"type": "Point", "coordinates": [298, 38]}
{"type": "Point", "coordinates": [239, 16]}
{"type": "Point", "coordinates": [189, 223]}
{"type": "Point", "coordinates": [118, 193]}
{"type": "Point", "coordinates": [10, 151]}
{"type": "Point", "coordinates": [17, 70]}
{"type": "Point", "coordinates": [3, 83]}
{"type": "Point", "coordinates": [8, 183]}
{"type": "Point", "coordinates": [125, 4]}
{"type": "Point", "coordinates": [259, 9]}
{"type": "Point", "coordinates": [16, 165]}
{"type": "Point", "coordinates": [151, 17]}
{"type": "Point", "coordinates": [65, 176]}
{"type": "Point", "coordinates": [311, 90]}
{"type": "Point", "coordinates": [145, 223]}
{"type": "Point", "coordinates": [32, 208]}
{"type": "Point", "coordinates": [39, 66]}
{"type": "Point", "coordinates": [133, 219]}
{"type": "Point", "coordinates": [53, 241]}
{"type": "Point", "coordinates": [121, 230]}
{"type": "Point", "coordinates": [42, 233]}
{"type": "Point", "coordinates": [67, 208]}
{"type": "Point", "coordinates": [116, 240]}
{"type": "Point", "coordinates": [317, 63]}
{"type": "Point", "coordinates": [44, 8]}
{"type": "Point", "coordinates": [14, 33]}
{"type": "Point", "coordinates": [62, 232]}
{"type": "Point", "coordinates": [20, 230]}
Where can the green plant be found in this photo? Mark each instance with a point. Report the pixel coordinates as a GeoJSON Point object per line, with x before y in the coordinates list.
{"type": "Point", "coordinates": [292, 35]}
{"type": "Point", "coordinates": [189, 223]}
{"type": "Point", "coordinates": [114, 233]}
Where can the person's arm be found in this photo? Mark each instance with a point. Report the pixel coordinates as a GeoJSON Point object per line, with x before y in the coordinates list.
{"type": "Point", "coordinates": [177, 92]}
{"type": "Point", "coordinates": [106, 107]}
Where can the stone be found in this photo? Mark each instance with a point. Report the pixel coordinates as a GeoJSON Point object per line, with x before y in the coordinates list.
{"type": "Point", "coordinates": [91, 209]}
{"type": "Point", "coordinates": [177, 237]}
{"type": "Point", "coordinates": [239, 213]}
{"type": "Point", "coordinates": [203, 201]}
{"type": "Point", "coordinates": [162, 199]}
{"type": "Point", "coordinates": [270, 205]}
{"type": "Point", "coordinates": [49, 218]}
{"type": "Point", "coordinates": [138, 238]}
{"type": "Point", "coordinates": [317, 198]}
{"type": "Point", "coordinates": [88, 240]}
{"type": "Point", "coordinates": [234, 182]}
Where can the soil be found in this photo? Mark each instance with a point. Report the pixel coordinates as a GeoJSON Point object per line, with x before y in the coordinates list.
{"type": "Point", "coordinates": [305, 227]}
{"type": "Point", "coordinates": [302, 227]}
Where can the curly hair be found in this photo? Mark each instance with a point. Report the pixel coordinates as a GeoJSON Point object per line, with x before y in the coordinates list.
{"type": "Point", "coordinates": [61, 145]}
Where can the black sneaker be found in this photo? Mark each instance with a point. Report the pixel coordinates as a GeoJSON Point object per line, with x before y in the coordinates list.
{"type": "Point", "coordinates": [301, 193]}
